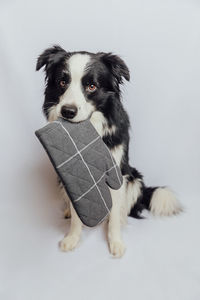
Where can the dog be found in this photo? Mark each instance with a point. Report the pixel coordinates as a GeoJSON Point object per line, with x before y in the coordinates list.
{"type": "Point", "coordinates": [83, 85]}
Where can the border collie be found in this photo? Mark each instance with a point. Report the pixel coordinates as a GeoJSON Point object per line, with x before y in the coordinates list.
{"type": "Point", "coordinates": [83, 85]}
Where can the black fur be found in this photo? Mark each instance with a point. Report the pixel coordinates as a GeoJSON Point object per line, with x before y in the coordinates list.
{"type": "Point", "coordinates": [107, 71]}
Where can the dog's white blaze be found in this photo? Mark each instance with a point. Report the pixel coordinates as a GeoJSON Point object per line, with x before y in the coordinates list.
{"type": "Point", "coordinates": [77, 64]}
{"type": "Point", "coordinates": [74, 94]}
{"type": "Point", "coordinates": [164, 203]}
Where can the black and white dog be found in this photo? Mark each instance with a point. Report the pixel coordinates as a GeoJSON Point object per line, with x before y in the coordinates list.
{"type": "Point", "coordinates": [82, 85]}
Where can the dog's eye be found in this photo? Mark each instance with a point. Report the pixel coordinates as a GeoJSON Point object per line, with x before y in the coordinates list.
{"type": "Point", "coordinates": [91, 88]}
{"type": "Point", "coordinates": [62, 83]}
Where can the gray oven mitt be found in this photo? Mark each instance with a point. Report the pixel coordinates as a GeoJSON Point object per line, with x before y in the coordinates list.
{"type": "Point", "coordinates": [85, 166]}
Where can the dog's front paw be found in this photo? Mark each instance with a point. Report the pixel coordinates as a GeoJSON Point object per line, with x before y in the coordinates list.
{"type": "Point", "coordinates": [69, 242]}
{"type": "Point", "coordinates": [117, 248]}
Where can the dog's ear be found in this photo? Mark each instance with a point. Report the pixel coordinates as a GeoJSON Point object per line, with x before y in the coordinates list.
{"type": "Point", "coordinates": [116, 65]}
{"type": "Point", "coordinates": [50, 57]}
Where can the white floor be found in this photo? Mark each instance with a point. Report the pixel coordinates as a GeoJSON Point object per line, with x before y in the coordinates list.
{"type": "Point", "coordinates": [161, 261]}
{"type": "Point", "coordinates": [160, 41]}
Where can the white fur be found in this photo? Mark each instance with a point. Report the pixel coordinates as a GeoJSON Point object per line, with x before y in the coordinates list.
{"type": "Point", "coordinates": [164, 203]}
{"type": "Point", "coordinates": [117, 153]}
{"type": "Point", "coordinates": [133, 192]}
{"type": "Point", "coordinates": [100, 124]}
{"type": "Point", "coordinates": [116, 245]}
{"type": "Point", "coordinates": [66, 199]}
{"type": "Point", "coordinates": [54, 112]}
{"type": "Point", "coordinates": [118, 211]}
{"type": "Point", "coordinates": [71, 240]}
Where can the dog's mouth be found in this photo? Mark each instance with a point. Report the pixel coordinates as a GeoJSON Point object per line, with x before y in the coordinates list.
{"type": "Point", "coordinates": [76, 121]}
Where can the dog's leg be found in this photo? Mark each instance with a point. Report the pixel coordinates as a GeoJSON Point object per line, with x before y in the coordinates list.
{"type": "Point", "coordinates": [116, 245]}
{"type": "Point", "coordinates": [65, 197]}
{"type": "Point", "coordinates": [71, 240]}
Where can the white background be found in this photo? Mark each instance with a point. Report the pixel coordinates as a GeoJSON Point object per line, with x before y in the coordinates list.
{"type": "Point", "coordinates": [160, 42]}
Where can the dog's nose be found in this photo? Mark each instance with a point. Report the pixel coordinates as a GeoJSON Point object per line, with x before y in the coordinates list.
{"type": "Point", "coordinates": [69, 111]}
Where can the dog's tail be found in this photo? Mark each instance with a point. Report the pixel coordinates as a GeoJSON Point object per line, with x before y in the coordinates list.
{"type": "Point", "coordinates": [161, 201]}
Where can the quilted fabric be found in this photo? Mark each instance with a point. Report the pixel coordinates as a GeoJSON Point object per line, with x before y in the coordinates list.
{"type": "Point", "coordinates": [85, 166]}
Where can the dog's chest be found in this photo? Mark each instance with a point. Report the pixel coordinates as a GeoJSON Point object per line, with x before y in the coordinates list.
{"type": "Point", "coordinates": [101, 125]}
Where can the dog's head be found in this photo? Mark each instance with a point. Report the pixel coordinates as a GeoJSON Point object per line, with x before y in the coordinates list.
{"type": "Point", "coordinates": [79, 83]}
